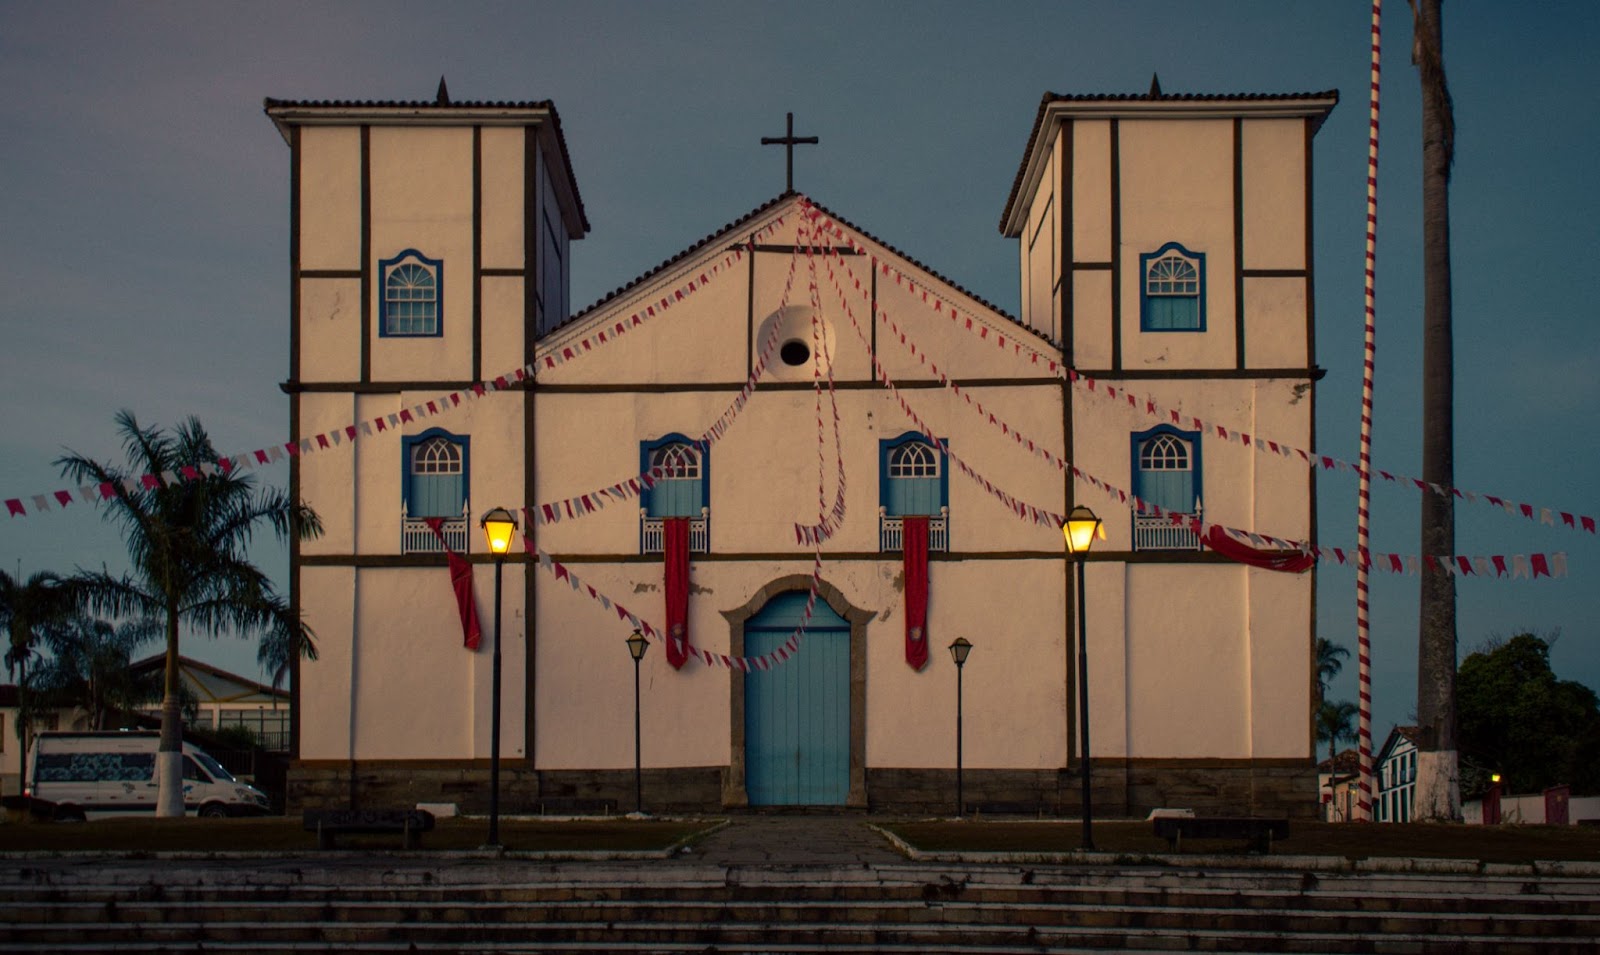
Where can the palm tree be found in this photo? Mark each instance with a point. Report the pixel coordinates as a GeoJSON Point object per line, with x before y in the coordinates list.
{"type": "Point", "coordinates": [1330, 660]}
{"type": "Point", "coordinates": [26, 608]}
{"type": "Point", "coordinates": [187, 541]}
{"type": "Point", "coordinates": [1335, 724]}
{"type": "Point", "coordinates": [1438, 790]}
{"type": "Point", "coordinates": [89, 667]}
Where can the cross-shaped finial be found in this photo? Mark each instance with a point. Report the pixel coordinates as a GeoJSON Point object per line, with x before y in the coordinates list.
{"type": "Point", "coordinates": [788, 141]}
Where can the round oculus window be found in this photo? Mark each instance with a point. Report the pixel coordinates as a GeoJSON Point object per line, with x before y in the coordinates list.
{"type": "Point", "coordinates": [795, 352]}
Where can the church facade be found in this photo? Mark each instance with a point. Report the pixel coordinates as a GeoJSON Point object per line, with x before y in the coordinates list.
{"type": "Point", "coordinates": [803, 464]}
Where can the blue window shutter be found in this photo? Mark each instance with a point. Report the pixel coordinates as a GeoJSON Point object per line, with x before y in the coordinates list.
{"type": "Point", "coordinates": [676, 496]}
{"type": "Point", "coordinates": [926, 491]}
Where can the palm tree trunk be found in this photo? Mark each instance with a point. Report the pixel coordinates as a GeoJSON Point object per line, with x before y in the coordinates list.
{"type": "Point", "coordinates": [24, 723]}
{"type": "Point", "coordinates": [1438, 788]}
{"type": "Point", "coordinates": [169, 753]}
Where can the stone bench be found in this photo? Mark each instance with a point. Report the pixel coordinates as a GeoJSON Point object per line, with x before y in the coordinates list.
{"type": "Point", "coordinates": [328, 823]}
{"type": "Point", "coordinates": [1258, 833]}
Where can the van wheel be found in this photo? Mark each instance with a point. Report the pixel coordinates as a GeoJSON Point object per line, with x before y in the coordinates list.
{"type": "Point", "coordinates": [69, 814]}
{"type": "Point", "coordinates": [213, 811]}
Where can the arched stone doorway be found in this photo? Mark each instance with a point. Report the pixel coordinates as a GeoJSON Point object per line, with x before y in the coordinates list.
{"type": "Point", "coordinates": [751, 628]}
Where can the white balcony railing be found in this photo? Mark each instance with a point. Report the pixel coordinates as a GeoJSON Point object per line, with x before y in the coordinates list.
{"type": "Point", "coordinates": [416, 537]}
{"type": "Point", "coordinates": [652, 534]}
{"type": "Point", "coordinates": [891, 531]}
{"type": "Point", "coordinates": [1161, 533]}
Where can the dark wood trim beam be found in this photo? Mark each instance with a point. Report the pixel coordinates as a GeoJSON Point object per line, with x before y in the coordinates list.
{"type": "Point", "coordinates": [1238, 242]}
{"type": "Point", "coordinates": [367, 315]}
{"type": "Point", "coordinates": [1276, 273]}
{"type": "Point", "coordinates": [327, 273]}
{"type": "Point", "coordinates": [1091, 266]}
{"type": "Point", "coordinates": [477, 250]}
{"type": "Point", "coordinates": [1116, 244]}
{"type": "Point", "coordinates": [438, 560]}
{"type": "Point", "coordinates": [1189, 374]}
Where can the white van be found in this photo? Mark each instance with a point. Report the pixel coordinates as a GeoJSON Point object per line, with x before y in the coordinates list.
{"type": "Point", "coordinates": [87, 775]}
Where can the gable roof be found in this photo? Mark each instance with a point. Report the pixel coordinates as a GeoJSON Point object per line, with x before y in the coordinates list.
{"type": "Point", "coordinates": [1344, 763]}
{"type": "Point", "coordinates": [442, 111]}
{"type": "Point", "coordinates": [1055, 107]}
{"type": "Point", "coordinates": [219, 678]}
{"type": "Point", "coordinates": [1396, 735]}
{"type": "Point", "coordinates": [728, 234]}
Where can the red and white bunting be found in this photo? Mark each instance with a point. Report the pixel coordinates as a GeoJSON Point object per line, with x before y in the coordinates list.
{"type": "Point", "coordinates": [766, 661]}
{"type": "Point", "coordinates": [828, 520]}
{"type": "Point", "coordinates": [1552, 565]}
{"type": "Point", "coordinates": [1012, 342]}
{"type": "Point", "coordinates": [347, 434]}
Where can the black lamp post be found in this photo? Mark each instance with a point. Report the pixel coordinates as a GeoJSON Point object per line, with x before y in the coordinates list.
{"type": "Point", "coordinates": [1080, 530]}
{"type": "Point", "coordinates": [499, 526]}
{"type": "Point", "coordinates": [636, 648]}
{"type": "Point", "coordinates": [958, 652]}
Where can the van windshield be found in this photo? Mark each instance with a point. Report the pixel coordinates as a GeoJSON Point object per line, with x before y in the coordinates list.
{"type": "Point", "coordinates": [214, 768]}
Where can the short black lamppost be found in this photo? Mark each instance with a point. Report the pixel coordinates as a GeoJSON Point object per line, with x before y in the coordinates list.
{"type": "Point", "coordinates": [1080, 529]}
{"type": "Point", "coordinates": [636, 648]}
{"type": "Point", "coordinates": [499, 526]}
{"type": "Point", "coordinates": [958, 652]}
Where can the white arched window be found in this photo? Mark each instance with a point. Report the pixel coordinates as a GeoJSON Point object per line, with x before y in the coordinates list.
{"type": "Point", "coordinates": [677, 469]}
{"type": "Point", "coordinates": [412, 295]}
{"type": "Point", "coordinates": [913, 478]}
{"type": "Point", "coordinates": [1172, 289]}
{"type": "Point", "coordinates": [436, 483]}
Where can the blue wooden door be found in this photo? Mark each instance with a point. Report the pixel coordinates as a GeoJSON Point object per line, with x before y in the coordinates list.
{"type": "Point", "coordinates": [797, 715]}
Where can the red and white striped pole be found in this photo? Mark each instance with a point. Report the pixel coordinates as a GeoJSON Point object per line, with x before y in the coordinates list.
{"type": "Point", "coordinates": [1364, 491]}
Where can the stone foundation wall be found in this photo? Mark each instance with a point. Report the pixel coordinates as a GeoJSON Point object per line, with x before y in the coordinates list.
{"type": "Point", "coordinates": [1120, 788]}
{"type": "Point", "coordinates": [389, 784]}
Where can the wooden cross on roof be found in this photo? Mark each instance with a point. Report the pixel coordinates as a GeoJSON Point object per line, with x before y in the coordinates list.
{"type": "Point", "coordinates": [789, 140]}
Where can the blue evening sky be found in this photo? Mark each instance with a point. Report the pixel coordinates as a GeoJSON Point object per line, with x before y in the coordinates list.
{"type": "Point", "coordinates": [144, 221]}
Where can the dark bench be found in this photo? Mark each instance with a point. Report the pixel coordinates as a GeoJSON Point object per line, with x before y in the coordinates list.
{"type": "Point", "coordinates": [409, 823]}
{"type": "Point", "coordinates": [1259, 833]}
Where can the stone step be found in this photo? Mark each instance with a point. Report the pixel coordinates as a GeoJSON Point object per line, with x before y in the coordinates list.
{"type": "Point", "coordinates": [807, 936]}
{"type": "Point", "coordinates": [1353, 898]}
{"type": "Point", "coordinates": [219, 915]}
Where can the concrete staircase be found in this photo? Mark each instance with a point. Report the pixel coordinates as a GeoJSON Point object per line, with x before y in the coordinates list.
{"type": "Point", "coordinates": [357, 904]}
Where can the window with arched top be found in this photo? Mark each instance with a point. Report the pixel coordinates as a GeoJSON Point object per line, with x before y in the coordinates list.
{"type": "Point", "coordinates": [412, 295]}
{"type": "Point", "coordinates": [436, 474]}
{"type": "Point", "coordinates": [677, 468]}
{"type": "Point", "coordinates": [1166, 472]}
{"type": "Point", "coordinates": [913, 477]}
{"type": "Point", "coordinates": [1172, 290]}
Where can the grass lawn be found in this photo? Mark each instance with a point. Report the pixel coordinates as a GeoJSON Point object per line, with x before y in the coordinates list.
{"type": "Point", "coordinates": [1417, 840]}
{"type": "Point", "coordinates": [276, 834]}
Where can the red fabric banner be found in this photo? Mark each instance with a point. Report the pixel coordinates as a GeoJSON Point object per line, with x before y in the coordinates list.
{"type": "Point", "coordinates": [675, 532]}
{"type": "Point", "coordinates": [461, 583]}
{"type": "Point", "coordinates": [914, 542]}
{"type": "Point", "coordinates": [1288, 561]}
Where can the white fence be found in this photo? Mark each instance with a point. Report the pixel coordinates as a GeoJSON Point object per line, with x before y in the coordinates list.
{"type": "Point", "coordinates": [652, 533]}
{"type": "Point", "coordinates": [891, 532]}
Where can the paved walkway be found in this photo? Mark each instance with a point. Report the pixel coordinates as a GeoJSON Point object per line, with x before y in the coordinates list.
{"type": "Point", "coordinates": [794, 840]}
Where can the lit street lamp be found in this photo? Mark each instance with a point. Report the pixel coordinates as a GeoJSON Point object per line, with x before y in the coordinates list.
{"type": "Point", "coordinates": [499, 526]}
{"type": "Point", "coordinates": [958, 652]}
{"type": "Point", "coordinates": [1080, 530]}
{"type": "Point", "coordinates": [636, 648]}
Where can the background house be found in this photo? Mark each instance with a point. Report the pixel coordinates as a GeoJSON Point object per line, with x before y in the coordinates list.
{"type": "Point", "coordinates": [1338, 782]}
{"type": "Point", "coordinates": [1396, 775]}
{"type": "Point", "coordinates": [222, 700]}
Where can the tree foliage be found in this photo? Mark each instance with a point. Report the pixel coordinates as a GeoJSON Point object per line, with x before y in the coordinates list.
{"type": "Point", "coordinates": [89, 668]}
{"type": "Point", "coordinates": [1519, 720]}
{"type": "Point", "coordinates": [188, 542]}
{"type": "Point", "coordinates": [1330, 660]}
{"type": "Point", "coordinates": [1336, 724]}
